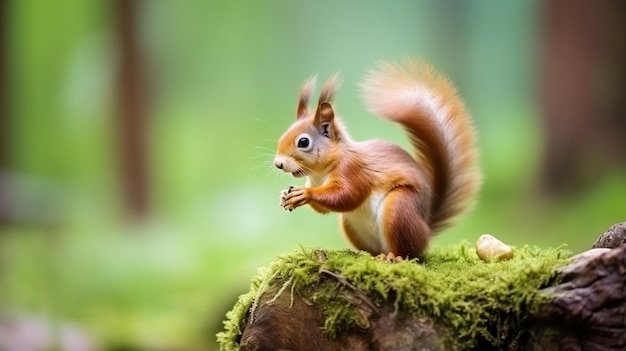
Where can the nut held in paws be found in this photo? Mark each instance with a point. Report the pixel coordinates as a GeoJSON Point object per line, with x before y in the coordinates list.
{"type": "Point", "coordinates": [489, 248]}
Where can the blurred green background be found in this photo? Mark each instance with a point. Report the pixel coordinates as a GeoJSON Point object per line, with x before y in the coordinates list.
{"type": "Point", "coordinates": [85, 264]}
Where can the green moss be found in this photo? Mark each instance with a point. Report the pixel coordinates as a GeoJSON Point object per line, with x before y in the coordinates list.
{"type": "Point", "coordinates": [473, 299]}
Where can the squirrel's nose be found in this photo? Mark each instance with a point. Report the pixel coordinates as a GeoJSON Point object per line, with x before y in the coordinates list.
{"type": "Point", "coordinates": [278, 164]}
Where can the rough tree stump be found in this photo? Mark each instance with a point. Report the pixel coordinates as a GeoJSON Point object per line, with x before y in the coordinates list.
{"type": "Point", "coordinates": [339, 300]}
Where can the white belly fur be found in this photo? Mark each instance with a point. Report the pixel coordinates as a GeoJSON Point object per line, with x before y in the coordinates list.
{"type": "Point", "coordinates": [366, 220]}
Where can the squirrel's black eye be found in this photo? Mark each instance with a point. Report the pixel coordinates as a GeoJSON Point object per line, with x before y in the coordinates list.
{"type": "Point", "coordinates": [303, 142]}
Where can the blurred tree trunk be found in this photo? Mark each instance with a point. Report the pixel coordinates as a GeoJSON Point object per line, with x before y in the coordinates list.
{"type": "Point", "coordinates": [4, 113]}
{"type": "Point", "coordinates": [132, 114]}
{"type": "Point", "coordinates": [583, 90]}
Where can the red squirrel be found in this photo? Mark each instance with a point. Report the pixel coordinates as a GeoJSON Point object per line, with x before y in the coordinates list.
{"type": "Point", "coordinates": [390, 203]}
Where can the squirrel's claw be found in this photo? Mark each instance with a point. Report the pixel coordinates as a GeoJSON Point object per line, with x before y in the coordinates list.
{"type": "Point", "coordinates": [389, 257]}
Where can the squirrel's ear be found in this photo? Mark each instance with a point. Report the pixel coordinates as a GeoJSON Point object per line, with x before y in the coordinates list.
{"type": "Point", "coordinates": [305, 96]}
{"type": "Point", "coordinates": [324, 118]}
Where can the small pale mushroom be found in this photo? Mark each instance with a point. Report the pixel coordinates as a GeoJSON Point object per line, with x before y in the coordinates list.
{"type": "Point", "coordinates": [489, 248]}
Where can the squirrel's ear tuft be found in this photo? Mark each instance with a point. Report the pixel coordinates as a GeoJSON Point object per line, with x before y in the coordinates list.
{"type": "Point", "coordinates": [327, 94]}
{"type": "Point", "coordinates": [305, 95]}
{"type": "Point", "coordinates": [324, 118]}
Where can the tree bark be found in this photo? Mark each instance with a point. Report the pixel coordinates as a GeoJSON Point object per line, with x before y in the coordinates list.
{"type": "Point", "coordinates": [588, 307]}
{"type": "Point", "coordinates": [281, 325]}
{"type": "Point", "coordinates": [586, 310]}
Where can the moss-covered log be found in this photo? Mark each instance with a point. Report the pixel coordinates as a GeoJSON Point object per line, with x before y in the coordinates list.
{"type": "Point", "coordinates": [338, 300]}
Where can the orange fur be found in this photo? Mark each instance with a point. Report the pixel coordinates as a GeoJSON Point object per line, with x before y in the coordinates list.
{"type": "Point", "coordinates": [389, 201]}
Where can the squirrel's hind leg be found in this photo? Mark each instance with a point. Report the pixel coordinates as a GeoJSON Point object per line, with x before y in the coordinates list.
{"type": "Point", "coordinates": [405, 231]}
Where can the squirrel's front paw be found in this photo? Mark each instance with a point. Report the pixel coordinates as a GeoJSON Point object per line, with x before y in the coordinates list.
{"type": "Point", "coordinates": [283, 198]}
{"type": "Point", "coordinates": [293, 197]}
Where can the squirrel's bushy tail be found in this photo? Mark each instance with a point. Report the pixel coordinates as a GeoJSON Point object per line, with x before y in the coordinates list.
{"type": "Point", "coordinates": [426, 104]}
